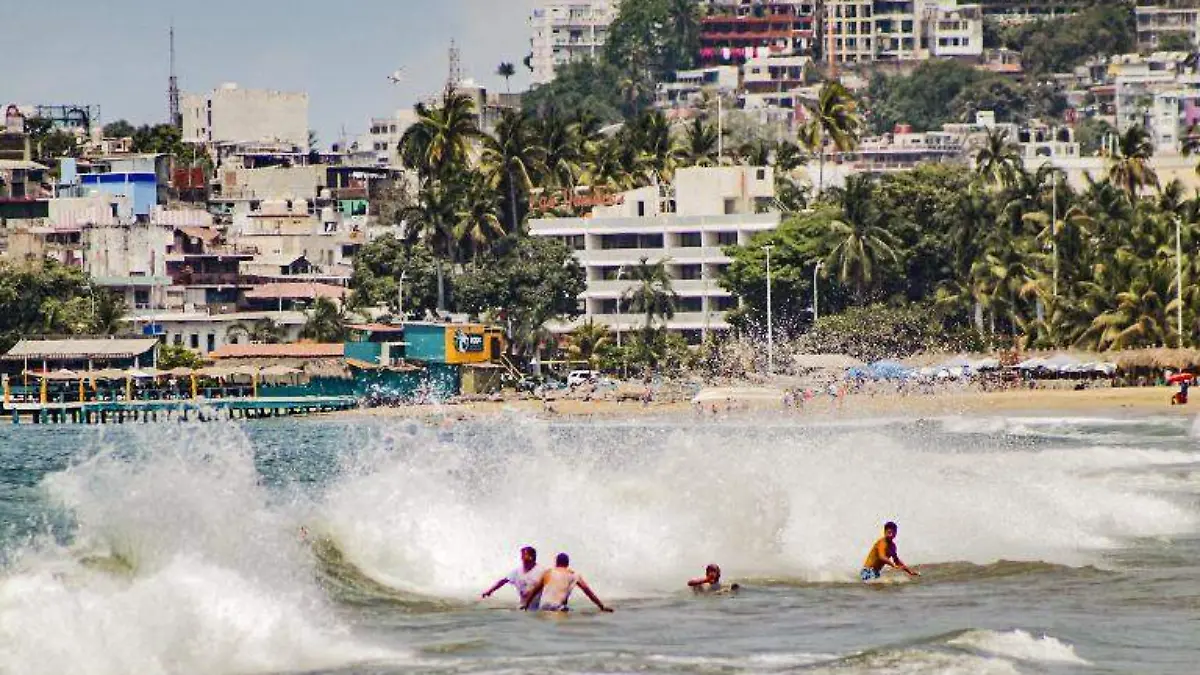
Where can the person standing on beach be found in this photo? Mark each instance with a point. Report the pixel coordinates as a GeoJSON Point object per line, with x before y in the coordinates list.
{"type": "Point", "coordinates": [523, 578]}
{"type": "Point", "coordinates": [555, 586]}
{"type": "Point", "coordinates": [884, 553]}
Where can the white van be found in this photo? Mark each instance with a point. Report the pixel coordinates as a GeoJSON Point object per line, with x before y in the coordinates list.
{"type": "Point", "coordinates": [578, 377]}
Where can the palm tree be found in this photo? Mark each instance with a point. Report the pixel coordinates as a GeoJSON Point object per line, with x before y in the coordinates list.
{"type": "Point", "coordinates": [326, 322]}
{"type": "Point", "coordinates": [835, 119]}
{"type": "Point", "coordinates": [262, 331]}
{"type": "Point", "coordinates": [652, 294]}
{"type": "Point", "coordinates": [110, 309]}
{"type": "Point", "coordinates": [478, 227]}
{"type": "Point", "coordinates": [699, 144]}
{"type": "Point", "coordinates": [999, 160]}
{"type": "Point", "coordinates": [586, 340]}
{"type": "Point", "coordinates": [510, 158]}
{"type": "Point", "coordinates": [1129, 167]}
{"type": "Point", "coordinates": [506, 70]}
{"type": "Point", "coordinates": [562, 148]}
{"type": "Point", "coordinates": [857, 240]}
{"type": "Point", "coordinates": [652, 133]}
{"type": "Point", "coordinates": [433, 221]}
{"type": "Point", "coordinates": [439, 143]}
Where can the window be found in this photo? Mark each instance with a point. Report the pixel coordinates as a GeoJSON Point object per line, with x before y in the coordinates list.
{"type": "Point", "coordinates": [691, 272]}
{"type": "Point", "coordinates": [761, 174]}
{"type": "Point", "coordinates": [730, 206]}
{"type": "Point", "coordinates": [575, 242]}
{"type": "Point", "coordinates": [727, 239]}
{"type": "Point", "coordinates": [608, 306]}
{"type": "Point", "coordinates": [195, 340]}
{"type": "Point", "coordinates": [724, 304]}
{"type": "Point", "coordinates": [178, 340]}
{"type": "Point", "coordinates": [690, 240]}
{"type": "Point", "coordinates": [641, 209]}
{"type": "Point", "coordinates": [690, 305]}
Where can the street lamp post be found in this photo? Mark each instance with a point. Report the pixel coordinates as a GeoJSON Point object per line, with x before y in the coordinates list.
{"type": "Point", "coordinates": [617, 321]}
{"type": "Point", "coordinates": [92, 296]}
{"type": "Point", "coordinates": [400, 295]}
{"type": "Point", "coordinates": [815, 310]}
{"type": "Point", "coordinates": [770, 326]}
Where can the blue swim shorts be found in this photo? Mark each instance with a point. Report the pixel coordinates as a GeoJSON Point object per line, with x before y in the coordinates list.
{"type": "Point", "coordinates": [867, 574]}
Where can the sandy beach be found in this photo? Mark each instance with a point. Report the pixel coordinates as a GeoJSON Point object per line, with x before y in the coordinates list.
{"type": "Point", "coordinates": [1108, 401]}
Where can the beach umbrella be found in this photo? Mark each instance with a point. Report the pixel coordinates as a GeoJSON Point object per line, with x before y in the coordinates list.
{"type": "Point", "coordinates": [889, 370]}
{"type": "Point", "coordinates": [986, 364]}
{"type": "Point", "coordinates": [139, 374]}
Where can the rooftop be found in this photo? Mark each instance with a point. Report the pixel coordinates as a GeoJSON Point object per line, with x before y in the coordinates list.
{"type": "Point", "coordinates": [87, 348]}
{"type": "Point", "coordinates": [303, 350]}
{"type": "Point", "coordinates": [308, 291]}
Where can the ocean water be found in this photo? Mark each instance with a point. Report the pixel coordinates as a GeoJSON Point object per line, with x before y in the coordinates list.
{"type": "Point", "coordinates": [360, 546]}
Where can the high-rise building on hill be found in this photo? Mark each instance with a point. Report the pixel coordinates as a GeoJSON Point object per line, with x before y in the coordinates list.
{"type": "Point", "coordinates": [566, 31]}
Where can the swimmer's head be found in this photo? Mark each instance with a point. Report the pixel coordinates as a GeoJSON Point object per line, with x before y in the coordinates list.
{"type": "Point", "coordinates": [713, 572]}
{"type": "Point", "coordinates": [562, 560]}
{"type": "Point", "coordinates": [529, 555]}
{"type": "Point", "coordinates": [889, 529]}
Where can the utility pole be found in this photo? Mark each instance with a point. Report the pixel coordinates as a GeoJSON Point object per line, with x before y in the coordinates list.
{"type": "Point", "coordinates": [815, 311]}
{"type": "Point", "coordinates": [1054, 225]}
{"type": "Point", "coordinates": [770, 326]}
{"type": "Point", "coordinates": [175, 117]}
{"type": "Point", "coordinates": [1179, 277]}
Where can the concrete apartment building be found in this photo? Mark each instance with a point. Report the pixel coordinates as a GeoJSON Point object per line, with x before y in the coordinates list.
{"type": "Point", "coordinates": [1031, 10]}
{"type": "Point", "coordinates": [566, 31]}
{"type": "Point", "coordinates": [230, 115]}
{"type": "Point", "coordinates": [1156, 21]}
{"type": "Point", "coordinates": [862, 31]}
{"type": "Point", "coordinates": [686, 225]}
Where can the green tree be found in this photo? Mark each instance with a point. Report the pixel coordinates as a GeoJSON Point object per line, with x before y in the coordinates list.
{"type": "Point", "coordinates": [535, 281]}
{"type": "Point", "coordinates": [506, 70]}
{"type": "Point", "coordinates": [999, 160]}
{"type": "Point", "coordinates": [587, 341]}
{"type": "Point", "coordinates": [119, 129]}
{"type": "Point", "coordinates": [836, 120]}
{"type": "Point", "coordinates": [700, 144]}
{"type": "Point", "coordinates": [379, 267]}
{"type": "Point", "coordinates": [652, 294]}
{"type": "Point", "coordinates": [38, 299]}
{"type": "Point", "coordinates": [857, 241]}
{"type": "Point", "coordinates": [175, 356]}
{"type": "Point", "coordinates": [263, 331]}
{"type": "Point", "coordinates": [510, 158]}
{"type": "Point", "coordinates": [1130, 166]}
{"type": "Point", "coordinates": [326, 322]}
{"type": "Point", "coordinates": [439, 144]}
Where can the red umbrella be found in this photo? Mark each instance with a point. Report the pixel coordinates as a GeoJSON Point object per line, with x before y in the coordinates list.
{"type": "Point", "coordinates": [1180, 377]}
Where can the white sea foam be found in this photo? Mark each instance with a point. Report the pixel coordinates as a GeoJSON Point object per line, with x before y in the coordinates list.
{"type": "Point", "coordinates": [438, 518]}
{"type": "Point", "coordinates": [1020, 645]}
{"type": "Point", "coordinates": [207, 575]}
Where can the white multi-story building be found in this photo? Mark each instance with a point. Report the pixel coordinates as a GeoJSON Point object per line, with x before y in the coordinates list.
{"type": "Point", "coordinates": [1155, 23]}
{"type": "Point", "coordinates": [382, 140]}
{"type": "Point", "coordinates": [203, 333]}
{"type": "Point", "coordinates": [686, 226]}
{"type": "Point", "coordinates": [230, 115]}
{"type": "Point", "coordinates": [901, 30]}
{"type": "Point", "coordinates": [566, 31]}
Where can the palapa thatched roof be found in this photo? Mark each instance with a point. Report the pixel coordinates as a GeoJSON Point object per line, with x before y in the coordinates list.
{"type": "Point", "coordinates": [1157, 358]}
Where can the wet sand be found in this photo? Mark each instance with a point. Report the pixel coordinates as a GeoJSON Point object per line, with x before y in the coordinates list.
{"type": "Point", "coordinates": [1137, 401]}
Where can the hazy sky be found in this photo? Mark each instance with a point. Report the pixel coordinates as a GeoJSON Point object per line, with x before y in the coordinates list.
{"type": "Point", "coordinates": [114, 52]}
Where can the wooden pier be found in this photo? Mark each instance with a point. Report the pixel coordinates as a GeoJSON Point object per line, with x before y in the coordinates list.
{"type": "Point", "coordinates": [121, 412]}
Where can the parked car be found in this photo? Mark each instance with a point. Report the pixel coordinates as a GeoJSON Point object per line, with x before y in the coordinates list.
{"type": "Point", "coordinates": [578, 377]}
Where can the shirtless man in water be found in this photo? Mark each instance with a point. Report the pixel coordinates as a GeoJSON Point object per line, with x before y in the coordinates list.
{"type": "Point", "coordinates": [555, 586]}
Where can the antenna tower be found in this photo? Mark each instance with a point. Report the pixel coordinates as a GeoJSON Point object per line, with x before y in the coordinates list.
{"type": "Point", "coordinates": [455, 77]}
{"type": "Point", "coordinates": [176, 118]}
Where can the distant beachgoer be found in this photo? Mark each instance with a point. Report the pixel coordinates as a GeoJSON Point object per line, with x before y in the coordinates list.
{"type": "Point", "coordinates": [555, 586]}
{"type": "Point", "coordinates": [884, 553]}
{"type": "Point", "coordinates": [523, 578]}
